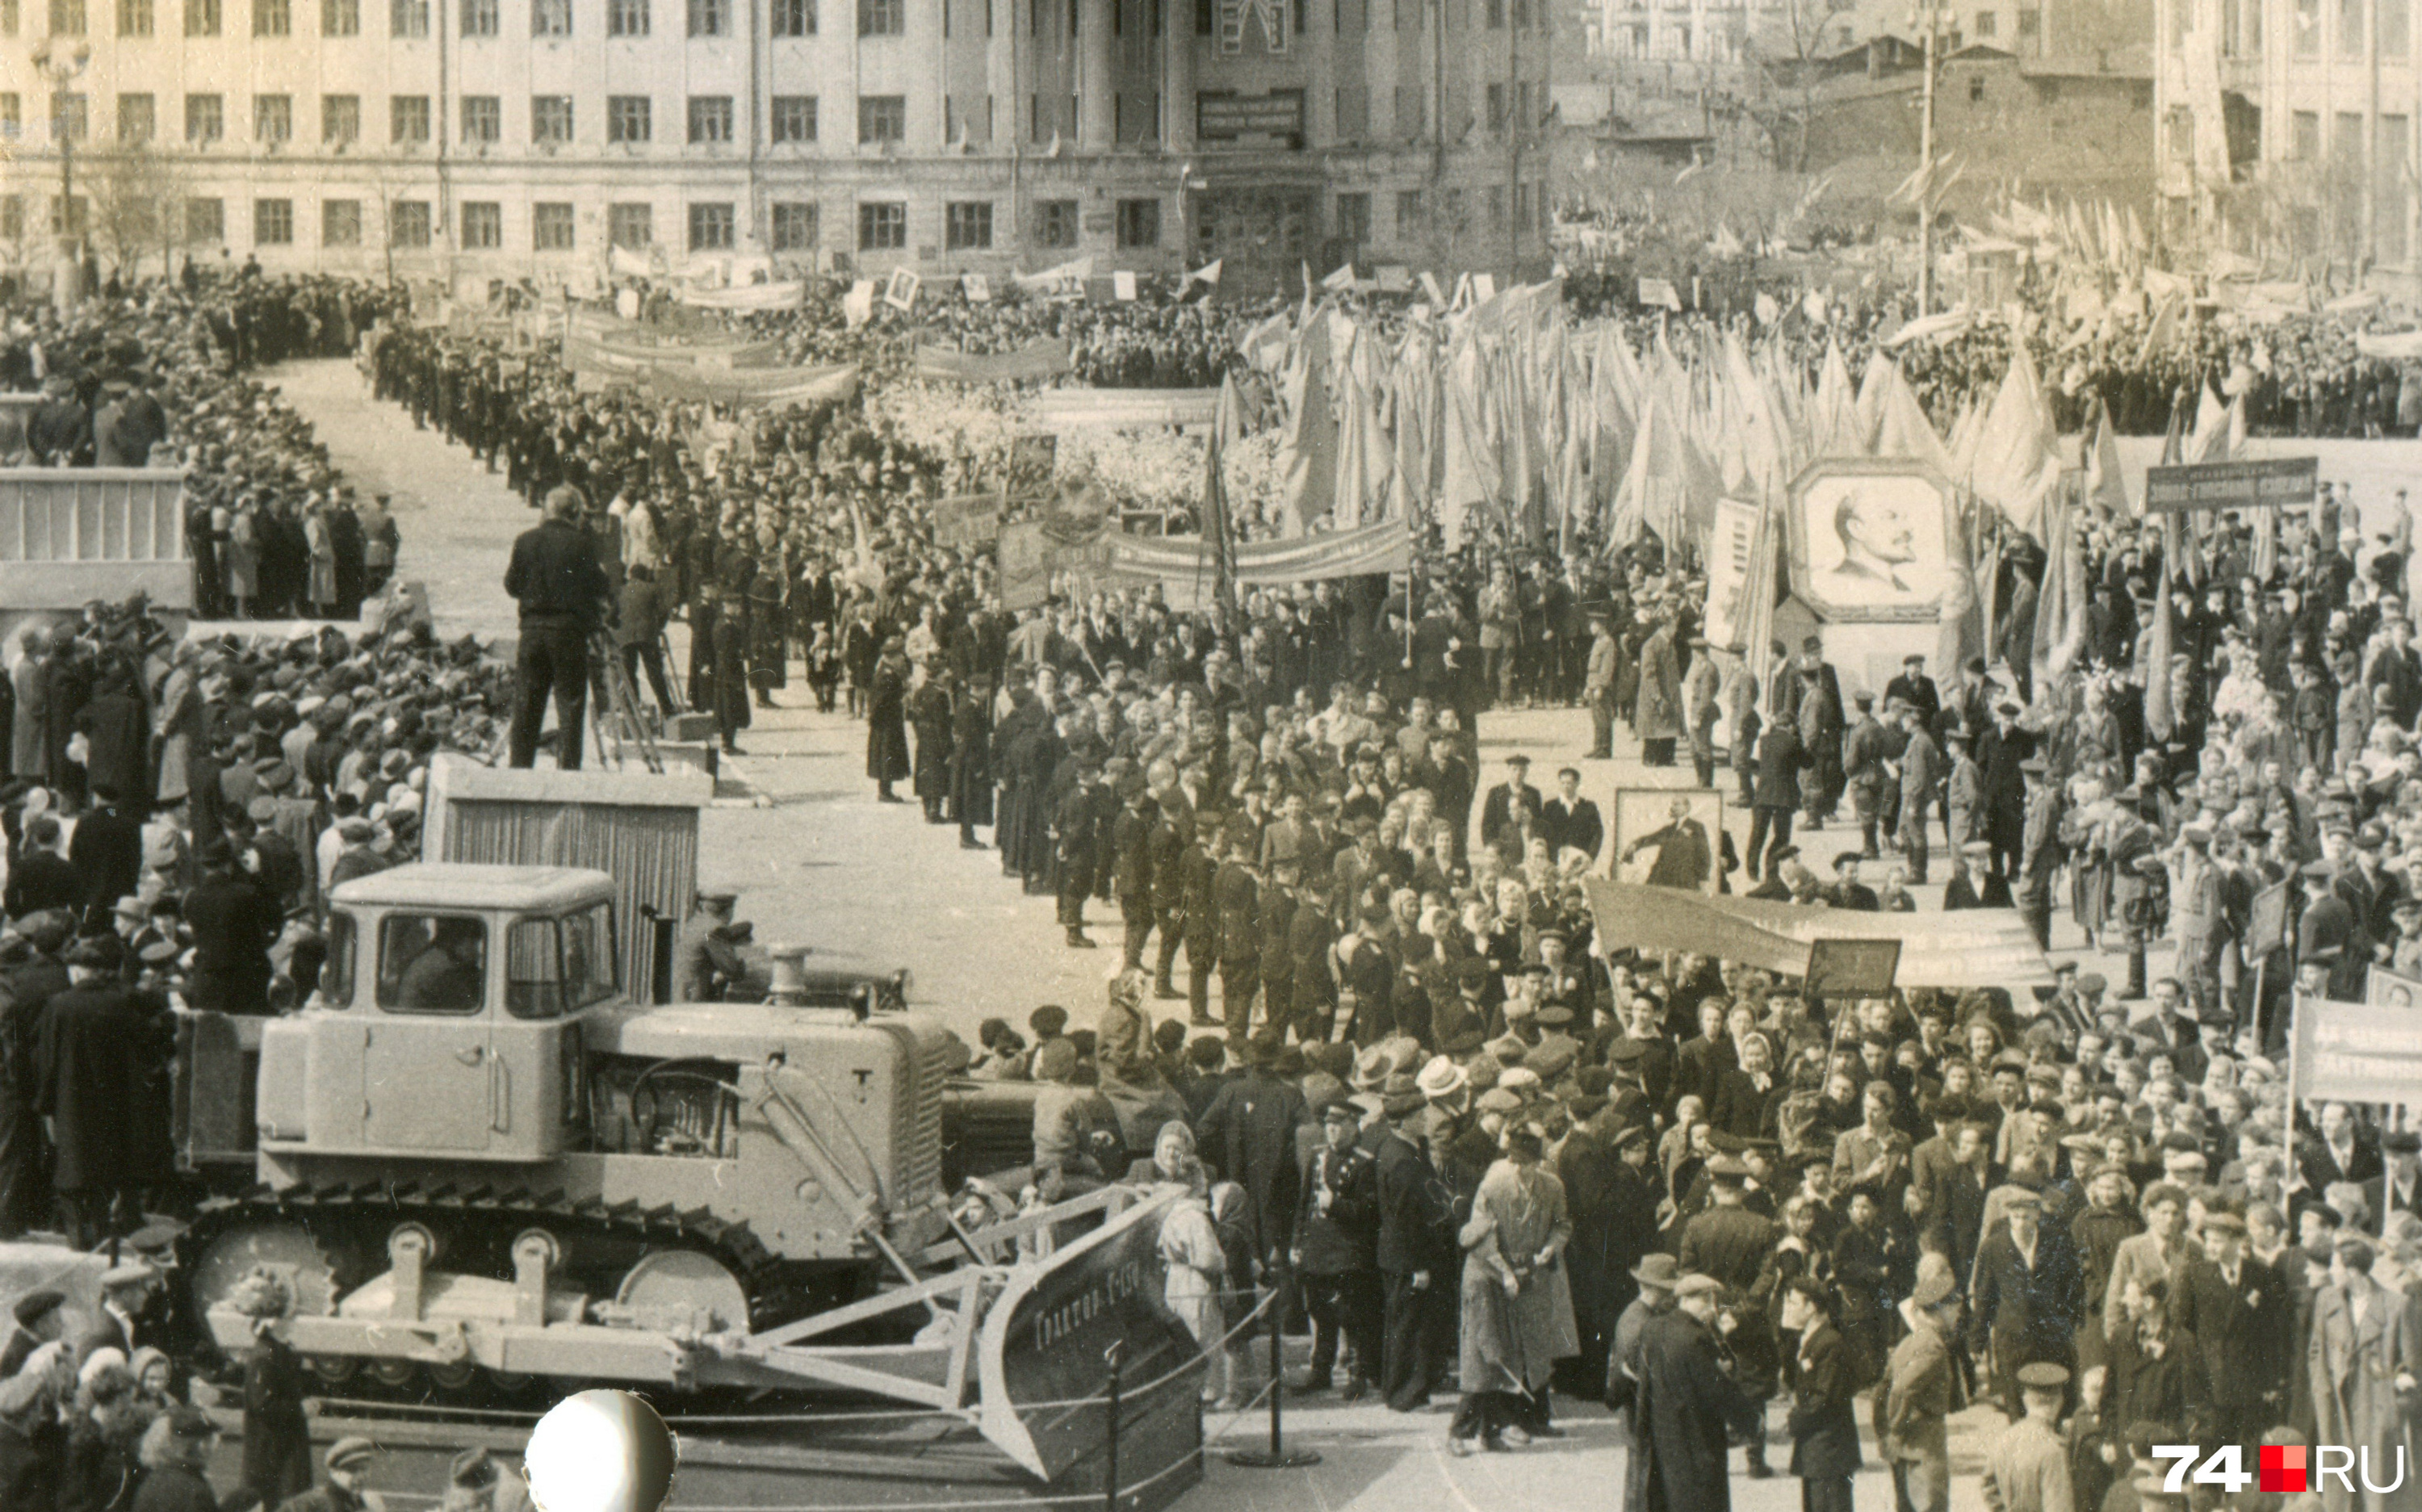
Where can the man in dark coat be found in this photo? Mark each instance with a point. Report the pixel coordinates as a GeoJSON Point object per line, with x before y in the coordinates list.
{"type": "Point", "coordinates": [234, 921]}
{"type": "Point", "coordinates": [1682, 1409]}
{"type": "Point", "coordinates": [562, 592]}
{"type": "Point", "coordinates": [1824, 1428]}
{"type": "Point", "coordinates": [103, 1067]}
{"type": "Point", "coordinates": [2026, 1299]}
{"type": "Point", "coordinates": [1248, 1134]}
{"type": "Point", "coordinates": [1410, 1251]}
{"type": "Point", "coordinates": [107, 854]}
{"type": "Point", "coordinates": [2240, 1315]}
{"type": "Point", "coordinates": [43, 880]}
{"type": "Point", "coordinates": [1780, 759]}
{"type": "Point", "coordinates": [1510, 813]}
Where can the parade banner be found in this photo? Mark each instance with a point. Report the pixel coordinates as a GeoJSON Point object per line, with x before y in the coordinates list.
{"type": "Point", "coordinates": [968, 521]}
{"type": "Point", "coordinates": [2287, 481]}
{"type": "Point", "coordinates": [1122, 409]}
{"type": "Point", "coordinates": [1971, 948]}
{"type": "Point", "coordinates": [2354, 1052]}
{"type": "Point", "coordinates": [1043, 357]}
{"type": "Point", "coordinates": [746, 296]}
{"type": "Point", "coordinates": [1386, 546]}
{"type": "Point", "coordinates": [1731, 550]}
{"type": "Point", "coordinates": [754, 386]}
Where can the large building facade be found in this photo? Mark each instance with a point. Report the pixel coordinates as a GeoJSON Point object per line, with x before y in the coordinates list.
{"type": "Point", "coordinates": [468, 139]}
{"type": "Point", "coordinates": [2290, 130]}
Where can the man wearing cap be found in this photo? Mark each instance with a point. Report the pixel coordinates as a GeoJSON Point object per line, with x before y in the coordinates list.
{"type": "Point", "coordinates": [2028, 1297]}
{"type": "Point", "coordinates": [2399, 1187]}
{"type": "Point", "coordinates": [1336, 1252]}
{"type": "Point", "coordinates": [1921, 775]}
{"type": "Point", "coordinates": [234, 921]}
{"type": "Point", "coordinates": [103, 1075]}
{"type": "Point", "coordinates": [1730, 1243]}
{"type": "Point", "coordinates": [1781, 757]}
{"type": "Point", "coordinates": [2197, 915]}
{"type": "Point", "coordinates": [1568, 820]}
{"type": "Point", "coordinates": [1409, 1250]}
{"type": "Point", "coordinates": [2243, 1320]}
{"type": "Point", "coordinates": [1684, 1406]}
{"type": "Point", "coordinates": [1510, 813]}
{"type": "Point", "coordinates": [39, 1318]}
{"type": "Point", "coordinates": [706, 963]}
{"type": "Point", "coordinates": [1247, 1135]}
{"type": "Point", "coordinates": [2026, 1466]}
{"type": "Point", "coordinates": [349, 1462]}
{"type": "Point", "coordinates": [1914, 1399]}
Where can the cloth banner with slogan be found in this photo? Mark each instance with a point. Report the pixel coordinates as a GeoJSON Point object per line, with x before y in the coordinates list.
{"type": "Point", "coordinates": [1043, 357]}
{"type": "Point", "coordinates": [1185, 569]}
{"type": "Point", "coordinates": [2354, 1051]}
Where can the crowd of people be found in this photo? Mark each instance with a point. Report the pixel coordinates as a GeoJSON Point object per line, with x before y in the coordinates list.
{"type": "Point", "coordinates": [1474, 1141]}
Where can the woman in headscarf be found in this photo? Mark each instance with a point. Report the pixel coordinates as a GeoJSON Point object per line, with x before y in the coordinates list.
{"type": "Point", "coordinates": [1518, 1305]}
{"type": "Point", "coordinates": [1189, 1249]}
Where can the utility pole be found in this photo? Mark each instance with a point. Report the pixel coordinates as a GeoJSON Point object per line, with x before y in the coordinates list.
{"type": "Point", "coordinates": [1931, 18]}
{"type": "Point", "coordinates": [58, 71]}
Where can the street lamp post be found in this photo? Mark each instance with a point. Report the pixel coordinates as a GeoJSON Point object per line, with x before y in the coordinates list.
{"type": "Point", "coordinates": [58, 70]}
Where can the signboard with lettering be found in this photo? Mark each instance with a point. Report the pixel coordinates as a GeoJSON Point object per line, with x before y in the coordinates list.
{"type": "Point", "coordinates": [2232, 485]}
{"type": "Point", "coordinates": [1225, 117]}
{"type": "Point", "coordinates": [1852, 968]}
{"type": "Point", "coordinates": [2354, 1052]}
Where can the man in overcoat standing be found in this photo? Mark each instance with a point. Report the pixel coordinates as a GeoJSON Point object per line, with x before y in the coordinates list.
{"type": "Point", "coordinates": [1683, 1407]}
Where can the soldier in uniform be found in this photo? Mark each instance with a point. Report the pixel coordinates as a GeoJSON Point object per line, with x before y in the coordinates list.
{"type": "Point", "coordinates": [1237, 894]}
{"type": "Point", "coordinates": [1072, 832]}
{"type": "Point", "coordinates": [705, 960]}
{"type": "Point", "coordinates": [1199, 870]}
{"type": "Point", "coordinates": [1921, 775]}
{"type": "Point", "coordinates": [1730, 1243]}
{"type": "Point", "coordinates": [1863, 767]}
{"type": "Point", "coordinates": [2026, 1468]}
{"type": "Point", "coordinates": [2041, 852]}
{"type": "Point", "coordinates": [349, 1462]}
{"type": "Point", "coordinates": [1336, 1252]}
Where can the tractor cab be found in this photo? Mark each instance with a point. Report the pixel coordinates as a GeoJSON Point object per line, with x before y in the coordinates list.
{"type": "Point", "coordinates": [448, 1020]}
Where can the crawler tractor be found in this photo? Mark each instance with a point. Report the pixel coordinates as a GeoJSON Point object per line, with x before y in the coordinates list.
{"type": "Point", "coordinates": [487, 1174]}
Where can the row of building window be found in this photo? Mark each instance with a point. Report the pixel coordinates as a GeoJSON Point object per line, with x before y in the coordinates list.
{"type": "Point", "coordinates": [793, 226]}
{"type": "Point", "coordinates": [629, 119]}
{"type": "Point", "coordinates": [712, 119]}
{"type": "Point", "coordinates": [410, 19]}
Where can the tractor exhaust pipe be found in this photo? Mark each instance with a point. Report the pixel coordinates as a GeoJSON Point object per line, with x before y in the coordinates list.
{"type": "Point", "coordinates": [789, 987]}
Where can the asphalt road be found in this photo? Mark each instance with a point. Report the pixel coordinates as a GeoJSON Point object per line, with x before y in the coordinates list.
{"type": "Point", "coordinates": [818, 860]}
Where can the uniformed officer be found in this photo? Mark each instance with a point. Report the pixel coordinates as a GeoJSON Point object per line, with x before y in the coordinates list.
{"type": "Point", "coordinates": [705, 960]}
{"type": "Point", "coordinates": [1336, 1252]}
{"type": "Point", "coordinates": [349, 1463]}
{"type": "Point", "coordinates": [2026, 1469]}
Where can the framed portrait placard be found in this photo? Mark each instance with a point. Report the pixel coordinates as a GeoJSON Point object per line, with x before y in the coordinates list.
{"type": "Point", "coordinates": [1669, 838]}
{"type": "Point", "coordinates": [1871, 539]}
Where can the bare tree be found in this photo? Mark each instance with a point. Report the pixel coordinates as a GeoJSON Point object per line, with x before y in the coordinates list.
{"type": "Point", "coordinates": [1787, 47]}
{"type": "Point", "coordinates": [133, 205]}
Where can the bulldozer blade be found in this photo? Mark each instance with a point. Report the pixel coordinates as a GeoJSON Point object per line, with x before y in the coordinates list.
{"type": "Point", "coordinates": [1041, 1364]}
